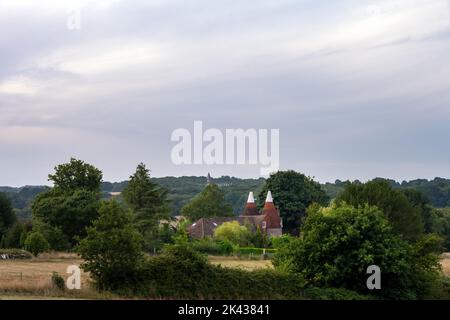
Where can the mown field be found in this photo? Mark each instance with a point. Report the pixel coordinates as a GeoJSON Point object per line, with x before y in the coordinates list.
{"type": "Point", "coordinates": [31, 279]}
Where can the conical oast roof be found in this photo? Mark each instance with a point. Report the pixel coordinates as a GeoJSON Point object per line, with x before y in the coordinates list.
{"type": "Point", "coordinates": [250, 207]}
{"type": "Point", "coordinates": [272, 215]}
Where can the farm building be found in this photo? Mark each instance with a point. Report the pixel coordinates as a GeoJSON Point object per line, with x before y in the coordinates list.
{"type": "Point", "coordinates": [268, 220]}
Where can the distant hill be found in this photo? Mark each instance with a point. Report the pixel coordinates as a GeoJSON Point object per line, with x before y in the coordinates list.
{"type": "Point", "coordinates": [182, 189]}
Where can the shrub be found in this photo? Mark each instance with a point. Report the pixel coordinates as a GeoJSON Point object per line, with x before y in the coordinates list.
{"type": "Point", "coordinates": [112, 249]}
{"type": "Point", "coordinates": [233, 232]}
{"type": "Point", "coordinates": [182, 273]}
{"type": "Point", "coordinates": [339, 243]}
{"type": "Point", "coordinates": [209, 246]}
{"type": "Point", "coordinates": [58, 281]}
{"type": "Point", "coordinates": [36, 243]}
{"type": "Point", "coordinates": [254, 251]}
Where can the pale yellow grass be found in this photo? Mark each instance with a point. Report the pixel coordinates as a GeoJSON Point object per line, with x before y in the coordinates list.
{"type": "Point", "coordinates": [33, 277]}
{"type": "Point", "coordinates": [235, 262]}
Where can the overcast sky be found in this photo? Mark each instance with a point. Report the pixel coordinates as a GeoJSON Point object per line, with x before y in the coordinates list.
{"type": "Point", "coordinates": [358, 88]}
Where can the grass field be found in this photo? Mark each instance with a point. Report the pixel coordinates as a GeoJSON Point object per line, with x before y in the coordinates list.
{"type": "Point", "coordinates": [31, 279]}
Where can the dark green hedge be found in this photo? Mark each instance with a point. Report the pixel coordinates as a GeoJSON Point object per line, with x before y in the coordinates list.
{"type": "Point", "coordinates": [182, 273]}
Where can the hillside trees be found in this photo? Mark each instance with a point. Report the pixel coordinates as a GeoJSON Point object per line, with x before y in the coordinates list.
{"type": "Point", "coordinates": [208, 203]}
{"type": "Point", "coordinates": [293, 193]}
{"type": "Point", "coordinates": [62, 213]}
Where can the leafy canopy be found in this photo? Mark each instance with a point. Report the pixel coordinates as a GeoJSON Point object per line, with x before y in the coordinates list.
{"type": "Point", "coordinates": [112, 249]}
{"type": "Point", "coordinates": [209, 203]}
{"type": "Point", "coordinates": [339, 243]}
{"type": "Point", "coordinates": [76, 175]}
{"type": "Point", "coordinates": [293, 193]}
{"type": "Point", "coordinates": [233, 232]}
{"type": "Point", "coordinates": [406, 219]}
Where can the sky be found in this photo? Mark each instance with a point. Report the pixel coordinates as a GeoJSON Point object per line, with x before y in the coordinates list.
{"type": "Point", "coordinates": [358, 89]}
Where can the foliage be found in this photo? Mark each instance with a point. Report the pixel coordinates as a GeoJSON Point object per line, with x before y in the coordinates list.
{"type": "Point", "coordinates": [76, 175]}
{"type": "Point", "coordinates": [441, 225]}
{"type": "Point", "coordinates": [340, 242]}
{"type": "Point", "coordinates": [7, 216]}
{"type": "Point", "coordinates": [16, 235]}
{"type": "Point", "coordinates": [112, 249]}
{"type": "Point", "coordinates": [182, 273]}
{"type": "Point", "coordinates": [293, 193]}
{"type": "Point", "coordinates": [149, 205]}
{"type": "Point", "coordinates": [406, 219]}
{"type": "Point", "coordinates": [233, 232]}
{"type": "Point", "coordinates": [209, 203]}
{"type": "Point", "coordinates": [58, 281]}
{"type": "Point", "coordinates": [147, 200]}
{"type": "Point", "coordinates": [254, 251]}
{"type": "Point", "coordinates": [213, 247]}
{"type": "Point", "coordinates": [36, 243]}
{"type": "Point", "coordinates": [68, 214]}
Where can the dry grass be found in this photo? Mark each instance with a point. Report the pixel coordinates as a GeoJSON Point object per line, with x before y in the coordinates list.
{"type": "Point", "coordinates": [235, 262]}
{"type": "Point", "coordinates": [33, 277]}
{"type": "Point", "coordinates": [445, 263]}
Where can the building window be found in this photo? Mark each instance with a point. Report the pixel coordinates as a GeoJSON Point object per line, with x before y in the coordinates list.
{"type": "Point", "coordinates": [264, 224]}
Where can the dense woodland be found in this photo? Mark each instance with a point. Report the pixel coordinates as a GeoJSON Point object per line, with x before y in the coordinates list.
{"type": "Point", "coordinates": [182, 189]}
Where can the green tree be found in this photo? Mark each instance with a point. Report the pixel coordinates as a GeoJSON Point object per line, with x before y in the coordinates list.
{"type": "Point", "coordinates": [70, 213]}
{"type": "Point", "coordinates": [71, 205]}
{"type": "Point", "coordinates": [149, 204]}
{"type": "Point", "coordinates": [233, 232]}
{"type": "Point", "coordinates": [340, 242]}
{"type": "Point", "coordinates": [406, 219]}
{"type": "Point", "coordinates": [15, 236]}
{"type": "Point", "coordinates": [209, 203]}
{"type": "Point", "coordinates": [112, 249]}
{"type": "Point", "coordinates": [75, 175]}
{"type": "Point", "coordinates": [36, 243]}
{"type": "Point", "coordinates": [7, 216]}
{"type": "Point", "coordinates": [147, 200]}
{"type": "Point", "coordinates": [293, 193]}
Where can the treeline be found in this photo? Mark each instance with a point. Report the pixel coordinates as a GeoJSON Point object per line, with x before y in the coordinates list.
{"type": "Point", "coordinates": [183, 189]}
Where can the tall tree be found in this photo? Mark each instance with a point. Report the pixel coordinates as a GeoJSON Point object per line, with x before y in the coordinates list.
{"type": "Point", "coordinates": [208, 203]}
{"type": "Point", "coordinates": [293, 193]}
{"type": "Point", "coordinates": [65, 211]}
{"type": "Point", "coordinates": [7, 216]}
{"type": "Point", "coordinates": [406, 219]}
{"type": "Point", "coordinates": [147, 200]}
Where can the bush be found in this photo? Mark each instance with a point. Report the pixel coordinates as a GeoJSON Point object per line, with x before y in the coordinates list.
{"type": "Point", "coordinates": [233, 232]}
{"type": "Point", "coordinates": [209, 246]}
{"type": "Point", "coordinates": [254, 251]}
{"type": "Point", "coordinates": [15, 254]}
{"type": "Point", "coordinates": [339, 243]}
{"type": "Point", "coordinates": [182, 273]}
{"type": "Point", "coordinates": [58, 281]}
{"type": "Point", "coordinates": [112, 250]}
{"type": "Point", "coordinates": [36, 243]}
